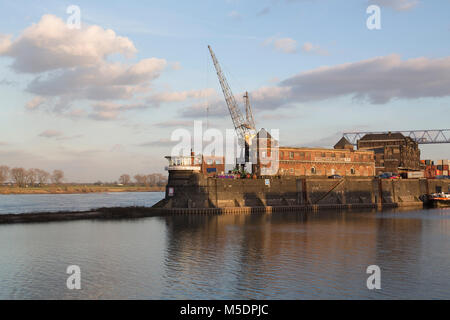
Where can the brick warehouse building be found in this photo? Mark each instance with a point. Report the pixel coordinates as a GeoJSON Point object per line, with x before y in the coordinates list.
{"type": "Point", "coordinates": [342, 160]}
{"type": "Point", "coordinates": [393, 152]}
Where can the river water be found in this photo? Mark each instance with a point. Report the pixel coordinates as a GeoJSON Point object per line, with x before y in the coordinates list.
{"type": "Point", "coordinates": [279, 256]}
{"type": "Point", "coordinates": [27, 203]}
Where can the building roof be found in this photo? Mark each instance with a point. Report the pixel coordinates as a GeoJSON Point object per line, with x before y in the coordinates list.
{"type": "Point", "coordinates": [343, 143]}
{"type": "Point", "coordinates": [293, 148]}
{"type": "Point", "coordinates": [383, 136]}
{"type": "Point", "coordinates": [263, 134]}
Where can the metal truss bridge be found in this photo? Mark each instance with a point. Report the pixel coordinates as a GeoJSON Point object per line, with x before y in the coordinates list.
{"type": "Point", "coordinates": [420, 136]}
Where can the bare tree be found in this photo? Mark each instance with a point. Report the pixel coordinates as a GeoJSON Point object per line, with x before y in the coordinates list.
{"type": "Point", "coordinates": [4, 174]}
{"type": "Point", "coordinates": [160, 180]}
{"type": "Point", "coordinates": [154, 179]}
{"type": "Point", "coordinates": [31, 176]}
{"type": "Point", "coordinates": [19, 176]}
{"type": "Point", "coordinates": [140, 179]}
{"type": "Point", "coordinates": [125, 179]}
{"type": "Point", "coordinates": [57, 176]}
{"type": "Point", "coordinates": [42, 176]}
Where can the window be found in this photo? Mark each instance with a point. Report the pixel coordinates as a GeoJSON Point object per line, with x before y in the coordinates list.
{"type": "Point", "coordinates": [313, 170]}
{"type": "Point", "coordinates": [281, 154]}
{"type": "Point", "coordinates": [291, 155]}
{"type": "Point", "coordinates": [352, 171]}
{"type": "Point", "coordinates": [263, 154]}
{"type": "Point", "coordinates": [292, 170]}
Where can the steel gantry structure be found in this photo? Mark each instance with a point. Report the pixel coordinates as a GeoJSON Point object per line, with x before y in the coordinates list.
{"type": "Point", "coordinates": [420, 136]}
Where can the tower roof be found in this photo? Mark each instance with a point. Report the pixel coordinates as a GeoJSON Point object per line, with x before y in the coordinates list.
{"type": "Point", "coordinates": [263, 134]}
{"type": "Point", "coordinates": [343, 144]}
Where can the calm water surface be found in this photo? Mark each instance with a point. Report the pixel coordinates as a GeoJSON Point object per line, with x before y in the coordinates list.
{"type": "Point", "coordinates": [27, 203]}
{"type": "Point", "coordinates": [278, 256]}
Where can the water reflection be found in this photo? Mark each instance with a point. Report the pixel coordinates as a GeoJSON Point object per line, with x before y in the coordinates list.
{"type": "Point", "coordinates": [278, 256]}
{"type": "Point", "coordinates": [322, 255]}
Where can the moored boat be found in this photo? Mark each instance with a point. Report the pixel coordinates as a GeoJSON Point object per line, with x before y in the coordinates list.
{"type": "Point", "coordinates": [438, 200]}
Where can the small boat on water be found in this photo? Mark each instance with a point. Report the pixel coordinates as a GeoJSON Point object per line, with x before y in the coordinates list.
{"type": "Point", "coordinates": [437, 200]}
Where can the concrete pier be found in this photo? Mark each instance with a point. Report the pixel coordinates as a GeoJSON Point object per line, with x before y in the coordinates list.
{"type": "Point", "coordinates": [195, 191]}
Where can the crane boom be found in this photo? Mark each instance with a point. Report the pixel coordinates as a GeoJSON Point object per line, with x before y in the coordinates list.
{"type": "Point", "coordinates": [240, 125]}
{"type": "Point", "coordinates": [249, 113]}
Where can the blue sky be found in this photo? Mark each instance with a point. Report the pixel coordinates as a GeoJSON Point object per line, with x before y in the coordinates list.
{"type": "Point", "coordinates": [312, 68]}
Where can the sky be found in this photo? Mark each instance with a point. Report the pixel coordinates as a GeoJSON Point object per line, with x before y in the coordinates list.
{"type": "Point", "coordinates": [104, 99]}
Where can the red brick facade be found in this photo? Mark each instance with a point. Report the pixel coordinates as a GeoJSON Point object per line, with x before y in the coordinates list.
{"type": "Point", "coordinates": [325, 162]}
{"type": "Point", "coordinates": [312, 161]}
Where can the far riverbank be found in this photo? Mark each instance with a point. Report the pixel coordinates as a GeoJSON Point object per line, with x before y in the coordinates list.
{"type": "Point", "coordinates": [77, 189]}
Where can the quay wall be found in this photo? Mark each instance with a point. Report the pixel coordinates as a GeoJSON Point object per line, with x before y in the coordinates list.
{"type": "Point", "coordinates": [198, 191]}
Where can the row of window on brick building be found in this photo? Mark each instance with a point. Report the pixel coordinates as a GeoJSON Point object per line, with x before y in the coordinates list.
{"type": "Point", "coordinates": [291, 155]}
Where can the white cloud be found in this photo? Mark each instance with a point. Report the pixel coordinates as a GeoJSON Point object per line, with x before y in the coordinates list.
{"type": "Point", "coordinates": [5, 43]}
{"type": "Point", "coordinates": [215, 108]}
{"type": "Point", "coordinates": [50, 134]}
{"type": "Point", "coordinates": [264, 98]}
{"type": "Point", "coordinates": [378, 79]}
{"type": "Point", "coordinates": [174, 123]}
{"type": "Point", "coordinates": [308, 47]}
{"type": "Point", "coordinates": [71, 65]}
{"type": "Point", "coordinates": [35, 103]}
{"type": "Point", "coordinates": [399, 5]}
{"type": "Point", "coordinates": [235, 15]}
{"type": "Point", "coordinates": [103, 81]}
{"type": "Point", "coordinates": [50, 45]}
{"type": "Point", "coordinates": [107, 110]}
{"type": "Point", "coordinates": [181, 96]}
{"type": "Point", "coordinates": [158, 143]}
{"type": "Point", "coordinates": [286, 45]}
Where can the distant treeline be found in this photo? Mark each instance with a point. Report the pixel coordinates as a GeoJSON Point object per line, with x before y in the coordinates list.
{"type": "Point", "coordinates": [29, 177]}
{"type": "Point", "coordinates": [150, 180]}
{"type": "Point", "coordinates": [37, 177]}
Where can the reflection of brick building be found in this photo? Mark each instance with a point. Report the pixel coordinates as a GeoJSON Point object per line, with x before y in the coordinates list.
{"type": "Point", "coordinates": [393, 152]}
{"type": "Point", "coordinates": [342, 160]}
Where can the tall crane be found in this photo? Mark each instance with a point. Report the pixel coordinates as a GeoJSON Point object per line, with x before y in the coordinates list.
{"type": "Point", "coordinates": [245, 127]}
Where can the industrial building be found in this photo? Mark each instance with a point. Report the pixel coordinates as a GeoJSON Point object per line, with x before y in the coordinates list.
{"type": "Point", "coordinates": [325, 162]}
{"type": "Point", "coordinates": [295, 161]}
{"type": "Point", "coordinates": [393, 152]}
{"type": "Point", "coordinates": [207, 165]}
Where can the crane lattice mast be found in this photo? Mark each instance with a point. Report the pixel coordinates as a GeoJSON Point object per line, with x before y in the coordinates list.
{"type": "Point", "coordinates": [243, 128]}
{"type": "Point", "coordinates": [249, 113]}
